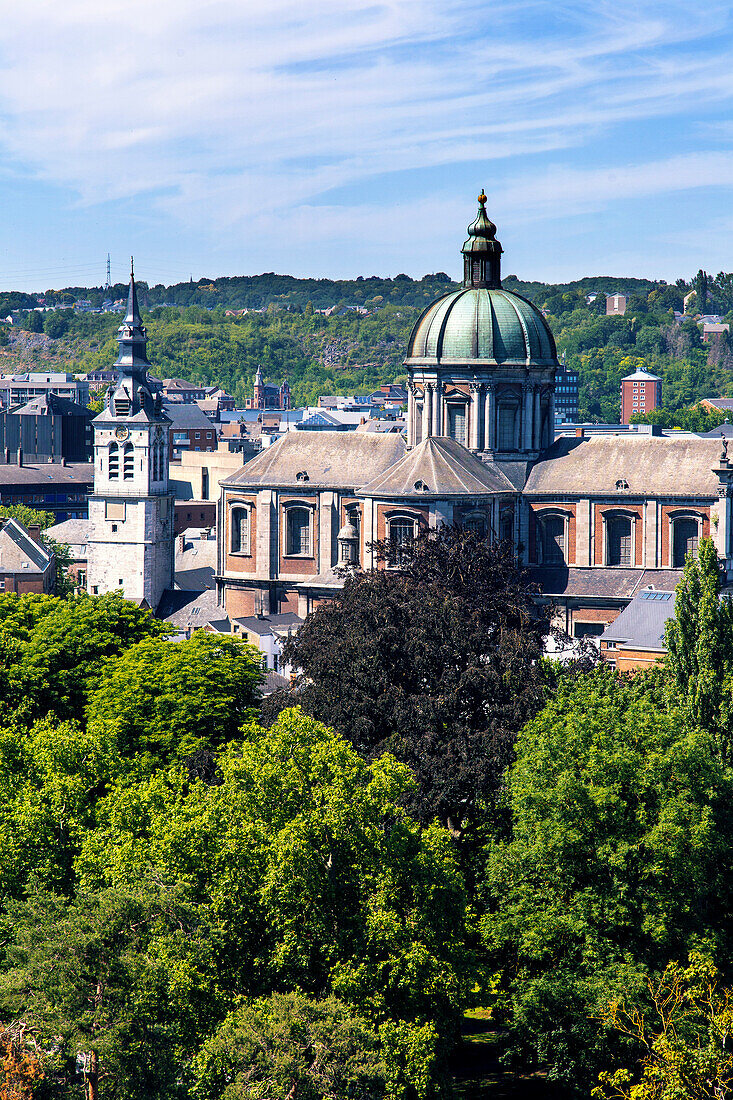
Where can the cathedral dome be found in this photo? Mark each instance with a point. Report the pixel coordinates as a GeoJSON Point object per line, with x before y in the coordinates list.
{"type": "Point", "coordinates": [481, 325]}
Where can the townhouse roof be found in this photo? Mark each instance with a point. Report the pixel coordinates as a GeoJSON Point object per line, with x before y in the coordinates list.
{"type": "Point", "coordinates": [73, 532]}
{"type": "Point", "coordinates": [189, 609]}
{"type": "Point", "coordinates": [670, 466]}
{"type": "Point", "coordinates": [319, 460]}
{"type": "Point", "coordinates": [38, 556]}
{"type": "Point", "coordinates": [438, 467]}
{"type": "Point", "coordinates": [50, 404]}
{"type": "Point", "coordinates": [184, 417]}
{"type": "Point", "coordinates": [264, 625]}
{"type": "Point", "coordinates": [48, 474]}
{"type": "Point", "coordinates": [641, 624]}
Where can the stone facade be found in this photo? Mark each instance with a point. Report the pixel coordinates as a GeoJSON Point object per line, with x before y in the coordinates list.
{"type": "Point", "coordinates": [131, 544]}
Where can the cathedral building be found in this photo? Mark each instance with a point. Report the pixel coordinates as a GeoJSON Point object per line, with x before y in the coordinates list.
{"type": "Point", "coordinates": [595, 519]}
{"type": "Point", "coordinates": [130, 545]}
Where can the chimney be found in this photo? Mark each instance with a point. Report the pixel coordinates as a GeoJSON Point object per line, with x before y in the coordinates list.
{"type": "Point", "coordinates": [34, 530]}
{"type": "Point", "coordinates": [181, 543]}
{"type": "Point", "coordinates": [580, 433]}
{"type": "Point", "coordinates": [20, 456]}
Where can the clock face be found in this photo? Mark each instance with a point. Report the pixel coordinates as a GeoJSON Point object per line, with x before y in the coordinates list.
{"type": "Point", "coordinates": [122, 433]}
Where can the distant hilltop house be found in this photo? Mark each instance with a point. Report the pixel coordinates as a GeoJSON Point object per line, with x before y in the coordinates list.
{"type": "Point", "coordinates": [711, 329]}
{"type": "Point", "coordinates": [616, 305]}
{"type": "Point", "coordinates": [266, 395]}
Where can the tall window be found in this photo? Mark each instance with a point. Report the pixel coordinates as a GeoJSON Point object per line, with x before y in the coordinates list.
{"type": "Point", "coordinates": [507, 427]}
{"type": "Point", "coordinates": [128, 462]}
{"type": "Point", "coordinates": [685, 539]}
{"type": "Point", "coordinates": [476, 524]}
{"type": "Point", "coordinates": [618, 541]}
{"type": "Point", "coordinates": [506, 525]}
{"type": "Point", "coordinates": [552, 530]}
{"type": "Point", "coordinates": [401, 538]}
{"type": "Point", "coordinates": [298, 532]}
{"type": "Point", "coordinates": [240, 530]}
{"type": "Point", "coordinates": [114, 461]}
{"type": "Point", "coordinates": [457, 423]}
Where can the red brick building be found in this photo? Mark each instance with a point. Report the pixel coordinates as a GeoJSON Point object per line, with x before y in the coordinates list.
{"type": "Point", "coordinates": [641, 392]}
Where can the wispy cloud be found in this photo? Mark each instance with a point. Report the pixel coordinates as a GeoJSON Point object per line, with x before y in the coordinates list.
{"type": "Point", "coordinates": [230, 113]}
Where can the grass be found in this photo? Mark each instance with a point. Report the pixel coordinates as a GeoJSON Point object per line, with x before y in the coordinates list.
{"type": "Point", "coordinates": [477, 1069]}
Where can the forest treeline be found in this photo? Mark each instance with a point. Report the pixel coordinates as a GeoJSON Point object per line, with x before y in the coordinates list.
{"type": "Point", "coordinates": [192, 337]}
{"type": "Point", "coordinates": [204, 894]}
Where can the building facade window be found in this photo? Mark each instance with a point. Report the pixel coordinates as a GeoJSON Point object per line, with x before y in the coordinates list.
{"type": "Point", "coordinates": [476, 524]}
{"type": "Point", "coordinates": [507, 426]}
{"type": "Point", "coordinates": [298, 532]}
{"type": "Point", "coordinates": [239, 528]}
{"type": "Point", "coordinates": [457, 423]}
{"type": "Point", "coordinates": [685, 539]}
{"type": "Point", "coordinates": [506, 525]}
{"type": "Point", "coordinates": [552, 540]}
{"type": "Point", "coordinates": [401, 532]}
{"type": "Point", "coordinates": [113, 466]}
{"type": "Point", "coordinates": [619, 533]}
{"type": "Point", "coordinates": [128, 462]}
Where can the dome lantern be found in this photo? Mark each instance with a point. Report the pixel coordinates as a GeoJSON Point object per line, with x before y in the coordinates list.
{"type": "Point", "coordinates": [482, 252]}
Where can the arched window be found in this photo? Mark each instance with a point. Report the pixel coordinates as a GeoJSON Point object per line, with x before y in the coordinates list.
{"type": "Point", "coordinates": [685, 538]}
{"type": "Point", "coordinates": [457, 423]}
{"type": "Point", "coordinates": [114, 462]}
{"type": "Point", "coordinates": [506, 525]}
{"type": "Point", "coordinates": [552, 540]}
{"type": "Point", "coordinates": [401, 535]}
{"type": "Point", "coordinates": [476, 524]}
{"type": "Point", "coordinates": [128, 462]}
{"type": "Point", "coordinates": [239, 530]}
{"type": "Point", "coordinates": [353, 515]}
{"type": "Point", "coordinates": [507, 426]}
{"type": "Point", "coordinates": [618, 541]}
{"type": "Point", "coordinates": [298, 532]}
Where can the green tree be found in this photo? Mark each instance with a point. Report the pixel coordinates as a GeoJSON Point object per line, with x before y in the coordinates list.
{"type": "Point", "coordinates": [620, 860]}
{"type": "Point", "coordinates": [54, 649]}
{"type": "Point", "coordinates": [437, 662]}
{"type": "Point", "coordinates": [27, 516]}
{"type": "Point", "coordinates": [33, 321]}
{"type": "Point", "coordinates": [313, 877]}
{"type": "Point", "coordinates": [163, 701]}
{"type": "Point", "coordinates": [123, 977]}
{"type": "Point", "coordinates": [699, 642]}
{"type": "Point", "coordinates": [290, 1045]}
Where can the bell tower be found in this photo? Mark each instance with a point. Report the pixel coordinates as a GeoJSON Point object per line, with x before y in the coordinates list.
{"type": "Point", "coordinates": [131, 543]}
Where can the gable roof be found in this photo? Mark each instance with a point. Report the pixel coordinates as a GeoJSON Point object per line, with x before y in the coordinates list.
{"type": "Point", "coordinates": [671, 466]}
{"type": "Point", "coordinates": [337, 460]}
{"type": "Point", "coordinates": [39, 557]}
{"type": "Point", "coordinates": [445, 468]}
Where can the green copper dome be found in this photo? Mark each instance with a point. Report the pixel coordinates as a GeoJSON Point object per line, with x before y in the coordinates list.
{"type": "Point", "coordinates": [482, 324]}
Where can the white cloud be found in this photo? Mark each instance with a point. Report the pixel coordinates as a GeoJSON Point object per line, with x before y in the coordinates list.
{"type": "Point", "coordinates": [232, 112]}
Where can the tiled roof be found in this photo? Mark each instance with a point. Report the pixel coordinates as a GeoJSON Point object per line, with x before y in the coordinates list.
{"type": "Point", "coordinates": [438, 467]}
{"type": "Point", "coordinates": [651, 465]}
{"type": "Point", "coordinates": [609, 583]}
{"type": "Point", "coordinates": [327, 459]}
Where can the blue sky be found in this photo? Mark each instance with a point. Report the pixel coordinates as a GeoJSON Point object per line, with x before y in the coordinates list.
{"type": "Point", "coordinates": [339, 137]}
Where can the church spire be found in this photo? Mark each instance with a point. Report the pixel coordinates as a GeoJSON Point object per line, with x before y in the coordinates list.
{"type": "Point", "coordinates": [132, 337]}
{"type": "Point", "coordinates": [482, 252]}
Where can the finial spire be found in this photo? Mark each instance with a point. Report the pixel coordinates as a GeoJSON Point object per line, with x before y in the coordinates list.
{"type": "Point", "coordinates": [482, 251]}
{"type": "Point", "coordinates": [132, 267]}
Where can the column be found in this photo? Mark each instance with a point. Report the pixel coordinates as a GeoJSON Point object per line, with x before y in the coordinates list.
{"type": "Point", "coordinates": [437, 387]}
{"type": "Point", "coordinates": [426, 412]}
{"type": "Point", "coordinates": [473, 438]}
{"type": "Point", "coordinates": [583, 533]}
{"type": "Point", "coordinates": [526, 444]}
{"type": "Point", "coordinates": [411, 426]}
{"type": "Point", "coordinates": [489, 417]}
{"type": "Point", "coordinates": [536, 443]}
{"type": "Point", "coordinates": [326, 532]}
{"type": "Point", "coordinates": [551, 417]}
{"type": "Point", "coordinates": [267, 534]}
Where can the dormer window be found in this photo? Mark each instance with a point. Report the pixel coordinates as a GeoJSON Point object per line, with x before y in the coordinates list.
{"type": "Point", "coordinates": [622, 483]}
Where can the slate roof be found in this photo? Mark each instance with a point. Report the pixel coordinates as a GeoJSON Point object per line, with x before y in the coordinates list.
{"type": "Point", "coordinates": [336, 460]}
{"type": "Point", "coordinates": [652, 465]}
{"type": "Point", "coordinates": [39, 557]}
{"type": "Point", "coordinates": [610, 583]}
{"type": "Point", "coordinates": [189, 610]}
{"type": "Point", "coordinates": [641, 624]}
{"type": "Point", "coordinates": [73, 532]}
{"type": "Point", "coordinates": [48, 474]}
{"type": "Point", "coordinates": [50, 404]}
{"type": "Point", "coordinates": [196, 564]}
{"type": "Point", "coordinates": [437, 468]}
{"type": "Point", "coordinates": [184, 417]}
{"type": "Point", "coordinates": [265, 625]}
